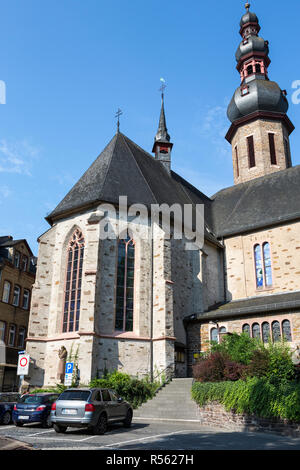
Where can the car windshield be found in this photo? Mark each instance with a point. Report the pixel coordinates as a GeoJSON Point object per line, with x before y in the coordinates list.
{"type": "Point", "coordinates": [81, 395]}
{"type": "Point", "coordinates": [28, 399]}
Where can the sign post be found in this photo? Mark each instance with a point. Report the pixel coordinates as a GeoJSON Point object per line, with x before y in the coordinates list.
{"type": "Point", "coordinates": [69, 373]}
{"type": "Point", "coordinates": [23, 366]}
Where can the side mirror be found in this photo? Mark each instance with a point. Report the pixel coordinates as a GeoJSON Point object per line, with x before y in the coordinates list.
{"type": "Point", "coordinates": [120, 399]}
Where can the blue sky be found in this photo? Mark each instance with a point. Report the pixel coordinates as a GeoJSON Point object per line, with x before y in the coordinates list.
{"type": "Point", "coordinates": [69, 64]}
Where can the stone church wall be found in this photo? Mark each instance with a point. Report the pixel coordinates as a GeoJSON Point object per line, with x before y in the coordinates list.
{"type": "Point", "coordinates": [285, 255]}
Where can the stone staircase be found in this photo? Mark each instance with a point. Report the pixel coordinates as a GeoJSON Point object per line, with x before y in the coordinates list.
{"type": "Point", "coordinates": [172, 403]}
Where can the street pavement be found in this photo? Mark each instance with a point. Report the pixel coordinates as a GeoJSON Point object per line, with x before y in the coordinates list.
{"type": "Point", "coordinates": [144, 435]}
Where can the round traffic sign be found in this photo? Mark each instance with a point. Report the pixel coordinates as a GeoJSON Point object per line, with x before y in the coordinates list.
{"type": "Point", "coordinates": [23, 362]}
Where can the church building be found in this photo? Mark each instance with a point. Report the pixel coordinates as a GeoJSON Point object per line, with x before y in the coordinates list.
{"type": "Point", "coordinates": [148, 306]}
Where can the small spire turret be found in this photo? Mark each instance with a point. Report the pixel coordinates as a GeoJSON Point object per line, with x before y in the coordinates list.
{"type": "Point", "coordinates": [162, 146]}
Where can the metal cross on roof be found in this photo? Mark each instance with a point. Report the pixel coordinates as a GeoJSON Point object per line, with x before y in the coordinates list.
{"type": "Point", "coordinates": [163, 85]}
{"type": "Point", "coordinates": [118, 114]}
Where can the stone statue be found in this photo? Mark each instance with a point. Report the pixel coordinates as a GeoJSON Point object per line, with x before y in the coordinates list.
{"type": "Point", "coordinates": [62, 354]}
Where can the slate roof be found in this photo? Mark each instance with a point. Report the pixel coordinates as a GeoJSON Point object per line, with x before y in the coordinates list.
{"type": "Point", "coordinates": [251, 306]}
{"type": "Point", "coordinates": [123, 168]}
{"type": "Point", "coordinates": [258, 203]}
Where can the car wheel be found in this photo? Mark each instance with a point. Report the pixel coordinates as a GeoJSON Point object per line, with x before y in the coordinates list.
{"type": "Point", "coordinates": [6, 418]}
{"type": "Point", "coordinates": [127, 421]}
{"type": "Point", "coordinates": [47, 423]}
{"type": "Point", "coordinates": [101, 426]}
{"type": "Point", "coordinates": [59, 429]}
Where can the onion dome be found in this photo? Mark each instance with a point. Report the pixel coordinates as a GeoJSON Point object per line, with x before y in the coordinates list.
{"type": "Point", "coordinates": [252, 45]}
{"type": "Point", "coordinates": [259, 95]}
{"type": "Point", "coordinates": [248, 17]}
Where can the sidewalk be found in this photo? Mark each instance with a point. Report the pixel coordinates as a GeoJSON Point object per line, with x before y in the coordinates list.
{"type": "Point", "coordinates": [6, 443]}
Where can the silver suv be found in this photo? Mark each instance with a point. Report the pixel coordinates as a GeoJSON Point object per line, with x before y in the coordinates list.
{"type": "Point", "coordinates": [89, 408]}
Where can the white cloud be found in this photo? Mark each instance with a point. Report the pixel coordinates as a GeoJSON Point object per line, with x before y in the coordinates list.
{"type": "Point", "coordinates": [17, 157]}
{"type": "Point", "coordinates": [213, 125]}
{"type": "Point", "coordinates": [5, 192]}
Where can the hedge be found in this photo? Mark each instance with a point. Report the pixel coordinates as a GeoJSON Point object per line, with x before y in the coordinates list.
{"type": "Point", "coordinates": [254, 396]}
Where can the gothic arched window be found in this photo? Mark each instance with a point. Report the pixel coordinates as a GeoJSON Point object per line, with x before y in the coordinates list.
{"type": "Point", "coordinates": [256, 331]}
{"type": "Point", "coordinates": [214, 335]}
{"type": "Point", "coordinates": [72, 295]}
{"type": "Point", "coordinates": [267, 264]}
{"type": "Point", "coordinates": [286, 330]}
{"type": "Point", "coordinates": [125, 285]}
{"type": "Point", "coordinates": [266, 332]}
{"type": "Point", "coordinates": [276, 333]}
{"type": "Point", "coordinates": [263, 265]}
{"type": "Point", "coordinates": [246, 329]}
{"type": "Point", "coordinates": [258, 266]}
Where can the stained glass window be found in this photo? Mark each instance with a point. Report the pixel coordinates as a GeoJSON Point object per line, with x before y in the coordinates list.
{"type": "Point", "coordinates": [276, 333]}
{"type": "Point", "coordinates": [258, 266]}
{"type": "Point", "coordinates": [72, 295]}
{"type": "Point", "coordinates": [214, 335]}
{"type": "Point", "coordinates": [267, 264]}
{"type": "Point", "coordinates": [125, 285]}
{"type": "Point", "coordinates": [286, 330]}
{"type": "Point", "coordinates": [266, 332]}
{"type": "Point", "coordinates": [263, 265]}
{"type": "Point", "coordinates": [256, 330]}
{"type": "Point", "coordinates": [246, 329]}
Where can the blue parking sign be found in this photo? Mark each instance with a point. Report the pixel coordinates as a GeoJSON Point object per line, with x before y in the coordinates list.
{"type": "Point", "coordinates": [69, 367]}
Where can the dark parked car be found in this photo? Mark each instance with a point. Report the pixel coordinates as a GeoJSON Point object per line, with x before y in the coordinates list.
{"type": "Point", "coordinates": [92, 408]}
{"type": "Point", "coordinates": [7, 402]}
{"type": "Point", "coordinates": [34, 408]}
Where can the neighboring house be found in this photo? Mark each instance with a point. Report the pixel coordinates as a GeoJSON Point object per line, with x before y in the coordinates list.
{"type": "Point", "coordinates": [149, 306]}
{"type": "Point", "coordinates": [17, 274]}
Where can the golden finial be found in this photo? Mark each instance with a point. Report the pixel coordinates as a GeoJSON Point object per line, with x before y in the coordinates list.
{"type": "Point", "coordinates": [247, 6]}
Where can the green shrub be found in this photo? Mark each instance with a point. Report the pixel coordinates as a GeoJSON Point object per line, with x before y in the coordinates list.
{"type": "Point", "coordinates": [281, 368]}
{"type": "Point", "coordinates": [239, 348]}
{"type": "Point", "coordinates": [254, 396]}
{"type": "Point", "coordinates": [135, 391]}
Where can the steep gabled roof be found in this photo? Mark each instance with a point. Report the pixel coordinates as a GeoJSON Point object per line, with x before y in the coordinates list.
{"type": "Point", "coordinates": [125, 169]}
{"type": "Point", "coordinates": [256, 204]}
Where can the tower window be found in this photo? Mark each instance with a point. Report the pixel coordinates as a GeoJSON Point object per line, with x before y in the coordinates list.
{"type": "Point", "coordinates": [251, 153]}
{"type": "Point", "coordinates": [237, 162]}
{"type": "Point", "coordinates": [164, 150]}
{"type": "Point", "coordinates": [72, 295]}
{"type": "Point", "coordinates": [257, 68]}
{"type": "Point", "coordinates": [287, 153]}
{"type": "Point", "coordinates": [249, 69]}
{"type": "Point", "coordinates": [125, 285]}
{"type": "Point", "coordinates": [272, 149]}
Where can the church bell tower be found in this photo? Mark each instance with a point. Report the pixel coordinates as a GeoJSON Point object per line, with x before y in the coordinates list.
{"type": "Point", "coordinates": [162, 146]}
{"type": "Point", "coordinates": [260, 129]}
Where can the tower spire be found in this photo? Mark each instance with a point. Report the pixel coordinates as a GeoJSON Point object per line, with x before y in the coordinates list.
{"type": "Point", "coordinates": [162, 146]}
{"type": "Point", "coordinates": [260, 129]}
